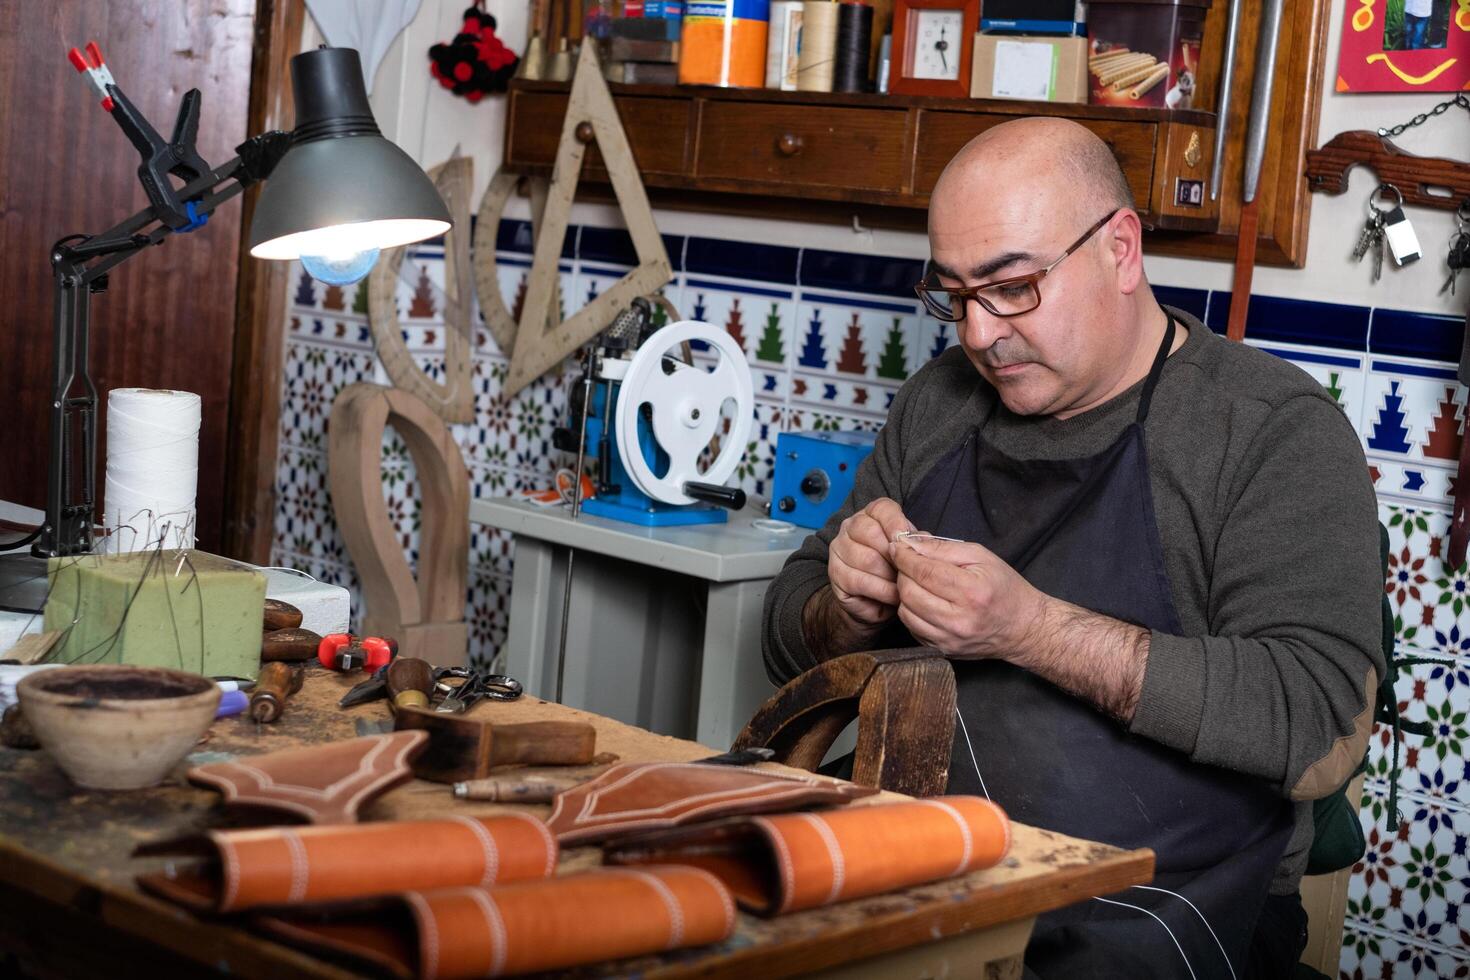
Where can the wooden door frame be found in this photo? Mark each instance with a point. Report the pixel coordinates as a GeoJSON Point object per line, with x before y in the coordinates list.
{"type": "Point", "coordinates": [260, 311]}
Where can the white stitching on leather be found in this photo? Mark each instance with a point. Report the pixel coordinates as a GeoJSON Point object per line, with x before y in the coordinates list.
{"type": "Point", "coordinates": [300, 866]}
{"type": "Point", "coordinates": [232, 870]}
{"type": "Point", "coordinates": [964, 834]}
{"type": "Point", "coordinates": [498, 937]}
{"type": "Point", "coordinates": [487, 844]}
{"type": "Point", "coordinates": [428, 935]}
{"type": "Point", "coordinates": [671, 902]}
{"type": "Point", "coordinates": [834, 851]}
{"type": "Point", "coordinates": [783, 857]}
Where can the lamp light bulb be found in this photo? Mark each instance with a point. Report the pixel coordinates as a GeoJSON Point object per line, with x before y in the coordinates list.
{"type": "Point", "coordinates": [341, 269]}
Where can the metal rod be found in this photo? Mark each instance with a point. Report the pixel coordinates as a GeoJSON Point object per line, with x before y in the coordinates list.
{"type": "Point", "coordinates": [1222, 104]}
{"type": "Point", "coordinates": [1259, 126]}
{"type": "Point", "coordinates": [566, 595]}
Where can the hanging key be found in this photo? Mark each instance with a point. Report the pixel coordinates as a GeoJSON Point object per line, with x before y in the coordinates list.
{"type": "Point", "coordinates": [1403, 244]}
{"type": "Point", "coordinates": [1365, 239]}
{"type": "Point", "coordinates": [1459, 254]}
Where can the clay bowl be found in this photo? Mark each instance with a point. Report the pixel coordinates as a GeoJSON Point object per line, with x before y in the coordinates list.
{"type": "Point", "coordinates": [117, 726]}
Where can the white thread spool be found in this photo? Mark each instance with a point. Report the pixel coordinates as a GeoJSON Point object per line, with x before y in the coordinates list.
{"type": "Point", "coordinates": [152, 469]}
{"type": "Point", "coordinates": [782, 45]}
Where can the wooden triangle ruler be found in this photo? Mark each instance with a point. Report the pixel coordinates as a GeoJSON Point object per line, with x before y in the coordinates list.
{"type": "Point", "coordinates": [454, 399]}
{"type": "Point", "coordinates": [539, 346]}
{"type": "Point", "coordinates": [498, 318]}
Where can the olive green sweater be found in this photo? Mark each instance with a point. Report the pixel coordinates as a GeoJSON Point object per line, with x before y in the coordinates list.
{"type": "Point", "coordinates": [1269, 530]}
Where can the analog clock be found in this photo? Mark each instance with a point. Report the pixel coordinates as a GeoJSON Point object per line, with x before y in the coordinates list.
{"type": "Point", "coordinates": [932, 42]}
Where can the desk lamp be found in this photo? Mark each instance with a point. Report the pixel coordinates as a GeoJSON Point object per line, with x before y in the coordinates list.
{"type": "Point", "coordinates": [338, 193]}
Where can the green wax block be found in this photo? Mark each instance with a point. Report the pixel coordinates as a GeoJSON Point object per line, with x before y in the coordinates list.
{"type": "Point", "coordinates": [188, 610]}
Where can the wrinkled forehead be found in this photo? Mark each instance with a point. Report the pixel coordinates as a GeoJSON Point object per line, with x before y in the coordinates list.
{"type": "Point", "coordinates": [1001, 199]}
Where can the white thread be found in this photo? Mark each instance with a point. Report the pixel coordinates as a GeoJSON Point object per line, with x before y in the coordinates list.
{"type": "Point", "coordinates": [1202, 918]}
{"type": "Point", "coordinates": [487, 843]}
{"type": "Point", "coordinates": [232, 871]}
{"type": "Point", "coordinates": [496, 924]}
{"type": "Point", "coordinates": [1139, 908]}
{"type": "Point", "coordinates": [834, 854]}
{"type": "Point", "coordinates": [968, 851]}
{"type": "Point", "coordinates": [428, 935]}
{"type": "Point", "coordinates": [152, 468]}
{"type": "Point", "coordinates": [671, 903]}
{"type": "Point", "coordinates": [783, 856]}
{"type": "Point", "coordinates": [970, 745]}
{"type": "Point", "coordinates": [300, 866]}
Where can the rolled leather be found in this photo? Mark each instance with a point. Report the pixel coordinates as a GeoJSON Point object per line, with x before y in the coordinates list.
{"type": "Point", "coordinates": [526, 927]}
{"type": "Point", "coordinates": [794, 861]}
{"type": "Point", "coordinates": [280, 866]}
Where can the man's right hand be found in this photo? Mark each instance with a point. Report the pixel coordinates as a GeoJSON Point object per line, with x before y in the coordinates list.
{"type": "Point", "coordinates": [864, 582]}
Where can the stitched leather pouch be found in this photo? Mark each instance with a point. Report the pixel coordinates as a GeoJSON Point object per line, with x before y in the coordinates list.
{"type": "Point", "coordinates": [794, 861]}
{"type": "Point", "coordinates": [549, 924]}
{"type": "Point", "coordinates": [321, 784]}
{"type": "Point", "coordinates": [639, 797]}
{"type": "Point", "coordinates": [291, 865]}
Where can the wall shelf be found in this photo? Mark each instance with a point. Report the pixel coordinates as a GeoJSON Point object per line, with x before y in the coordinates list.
{"type": "Point", "coordinates": [738, 149]}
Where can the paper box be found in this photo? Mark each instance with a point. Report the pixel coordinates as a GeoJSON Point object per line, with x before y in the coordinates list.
{"type": "Point", "coordinates": [1040, 69]}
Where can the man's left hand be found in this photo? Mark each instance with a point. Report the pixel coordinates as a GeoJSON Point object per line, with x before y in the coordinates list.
{"type": "Point", "coordinates": [963, 600]}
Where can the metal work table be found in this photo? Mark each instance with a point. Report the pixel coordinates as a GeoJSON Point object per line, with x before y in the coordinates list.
{"type": "Point", "coordinates": [664, 628]}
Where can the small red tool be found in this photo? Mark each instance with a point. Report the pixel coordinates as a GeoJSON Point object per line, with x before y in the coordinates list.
{"type": "Point", "coordinates": [345, 651]}
{"type": "Point", "coordinates": [96, 71]}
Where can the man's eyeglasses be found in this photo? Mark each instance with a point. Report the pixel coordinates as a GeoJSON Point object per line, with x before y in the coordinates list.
{"type": "Point", "coordinates": [1005, 297]}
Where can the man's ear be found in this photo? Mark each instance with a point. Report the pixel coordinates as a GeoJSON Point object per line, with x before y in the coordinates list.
{"type": "Point", "coordinates": [1126, 238]}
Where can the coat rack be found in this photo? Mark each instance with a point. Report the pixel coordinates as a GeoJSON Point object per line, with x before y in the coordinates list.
{"type": "Point", "coordinates": [1431, 182]}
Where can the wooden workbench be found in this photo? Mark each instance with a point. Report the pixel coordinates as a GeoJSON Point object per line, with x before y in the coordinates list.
{"type": "Point", "coordinates": [69, 907]}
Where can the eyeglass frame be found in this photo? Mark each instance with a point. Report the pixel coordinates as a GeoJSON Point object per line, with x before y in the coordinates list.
{"type": "Point", "coordinates": [1032, 279]}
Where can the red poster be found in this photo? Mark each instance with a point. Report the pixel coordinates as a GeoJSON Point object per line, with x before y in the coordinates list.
{"type": "Point", "coordinates": [1405, 46]}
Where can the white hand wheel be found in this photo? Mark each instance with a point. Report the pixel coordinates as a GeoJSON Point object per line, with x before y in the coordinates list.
{"type": "Point", "coordinates": [686, 402]}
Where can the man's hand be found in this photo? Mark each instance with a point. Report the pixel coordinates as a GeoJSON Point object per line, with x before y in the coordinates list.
{"type": "Point", "coordinates": [858, 566]}
{"type": "Point", "coordinates": [965, 602]}
{"type": "Point", "coordinates": [962, 600]}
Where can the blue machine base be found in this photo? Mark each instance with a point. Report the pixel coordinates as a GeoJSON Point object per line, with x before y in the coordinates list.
{"type": "Point", "coordinates": [656, 515]}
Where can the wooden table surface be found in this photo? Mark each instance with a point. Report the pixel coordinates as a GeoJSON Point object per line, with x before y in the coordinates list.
{"type": "Point", "coordinates": [67, 892]}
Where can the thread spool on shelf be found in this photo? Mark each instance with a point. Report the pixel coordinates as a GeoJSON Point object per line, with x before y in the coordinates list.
{"type": "Point", "coordinates": [853, 47]}
{"type": "Point", "coordinates": [817, 65]}
{"type": "Point", "coordinates": [783, 45]}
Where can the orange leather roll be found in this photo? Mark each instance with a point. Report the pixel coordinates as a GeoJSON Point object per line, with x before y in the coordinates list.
{"type": "Point", "coordinates": [797, 861]}
{"type": "Point", "coordinates": [549, 924]}
{"type": "Point", "coordinates": [293, 865]}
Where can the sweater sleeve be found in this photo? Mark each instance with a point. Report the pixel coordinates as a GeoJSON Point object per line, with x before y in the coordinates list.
{"type": "Point", "coordinates": [805, 572]}
{"type": "Point", "coordinates": [1282, 687]}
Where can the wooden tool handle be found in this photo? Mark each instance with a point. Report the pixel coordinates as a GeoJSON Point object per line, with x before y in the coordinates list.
{"type": "Point", "coordinates": [281, 615]}
{"type": "Point", "coordinates": [532, 789]}
{"type": "Point", "coordinates": [289, 644]}
{"type": "Point", "coordinates": [277, 682]}
{"type": "Point", "coordinates": [543, 743]}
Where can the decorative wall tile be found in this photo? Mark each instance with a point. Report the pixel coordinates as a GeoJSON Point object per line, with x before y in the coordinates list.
{"type": "Point", "coordinates": [1412, 423]}
{"type": "Point", "coordinates": [1342, 373]}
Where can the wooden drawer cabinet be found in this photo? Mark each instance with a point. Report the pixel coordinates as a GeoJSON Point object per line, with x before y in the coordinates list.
{"type": "Point", "coordinates": [857, 149]}
{"type": "Point", "coordinates": [737, 149]}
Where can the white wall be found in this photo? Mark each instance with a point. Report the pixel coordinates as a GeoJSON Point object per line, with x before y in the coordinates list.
{"type": "Point", "coordinates": [429, 122]}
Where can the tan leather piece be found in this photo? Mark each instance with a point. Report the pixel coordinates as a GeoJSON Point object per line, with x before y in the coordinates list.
{"type": "Point", "coordinates": [322, 784]}
{"type": "Point", "coordinates": [795, 861]}
{"type": "Point", "coordinates": [290, 865]}
{"type": "Point", "coordinates": [526, 927]}
{"type": "Point", "coordinates": [639, 797]}
{"type": "Point", "coordinates": [1324, 776]}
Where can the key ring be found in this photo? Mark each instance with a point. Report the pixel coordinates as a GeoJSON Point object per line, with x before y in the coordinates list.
{"type": "Point", "coordinates": [1383, 188]}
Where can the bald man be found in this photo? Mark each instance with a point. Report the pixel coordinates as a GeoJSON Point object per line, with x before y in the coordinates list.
{"type": "Point", "coordinates": [1161, 599]}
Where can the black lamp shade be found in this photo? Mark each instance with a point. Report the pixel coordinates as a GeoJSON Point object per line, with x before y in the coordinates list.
{"type": "Point", "coordinates": [341, 188]}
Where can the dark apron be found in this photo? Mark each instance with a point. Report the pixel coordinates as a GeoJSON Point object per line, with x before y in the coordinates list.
{"type": "Point", "coordinates": [1084, 531]}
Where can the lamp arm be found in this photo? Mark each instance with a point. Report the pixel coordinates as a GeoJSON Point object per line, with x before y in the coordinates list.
{"type": "Point", "coordinates": [80, 265]}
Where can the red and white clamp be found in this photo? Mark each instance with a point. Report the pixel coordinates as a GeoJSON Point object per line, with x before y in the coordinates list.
{"type": "Point", "coordinates": [96, 71]}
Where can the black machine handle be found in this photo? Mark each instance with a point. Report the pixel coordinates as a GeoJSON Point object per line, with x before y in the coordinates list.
{"type": "Point", "coordinates": [711, 493]}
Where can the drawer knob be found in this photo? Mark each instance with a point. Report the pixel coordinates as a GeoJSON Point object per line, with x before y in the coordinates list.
{"type": "Point", "coordinates": [789, 145]}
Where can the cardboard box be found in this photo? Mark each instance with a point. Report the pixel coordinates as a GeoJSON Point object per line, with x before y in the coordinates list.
{"type": "Point", "coordinates": [1041, 69]}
